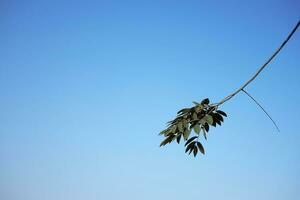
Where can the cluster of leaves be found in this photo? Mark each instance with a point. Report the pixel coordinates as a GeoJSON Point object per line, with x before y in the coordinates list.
{"type": "Point", "coordinates": [198, 118]}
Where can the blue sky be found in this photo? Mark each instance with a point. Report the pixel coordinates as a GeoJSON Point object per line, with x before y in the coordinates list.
{"type": "Point", "coordinates": [86, 86]}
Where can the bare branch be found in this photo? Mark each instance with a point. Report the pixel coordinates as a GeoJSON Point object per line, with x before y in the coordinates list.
{"type": "Point", "coordinates": [262, 109]}
{"type": "Point", "coordinates": [261, 68]}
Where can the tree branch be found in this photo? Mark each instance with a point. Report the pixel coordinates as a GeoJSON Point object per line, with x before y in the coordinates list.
{"type": "Point", "coordinates": [262, 109]}
{"type": "Point", "coordinates": [260, 69]}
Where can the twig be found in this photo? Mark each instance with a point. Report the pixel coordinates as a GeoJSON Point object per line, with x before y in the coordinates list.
{"type": "Point", "coordinates": [260, 69]}
{"type": "Point", "coordinates": [262, 109]}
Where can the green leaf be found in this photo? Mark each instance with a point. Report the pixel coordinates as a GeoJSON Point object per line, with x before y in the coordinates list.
{"type": "Point", "coordinates": [198, 108]}
{"type": "Point", "coordinates": [195, 117]}
{"type": "Point", "coordinates": [183, 111]}
{"type": "Point", "coordinates": [197, 128]}
{"type": "Point", "coordinates": [200, 147]}
{"type": "Point", "coordinates": [202, 121]}
{"type": "Point", "coordinates": [185, 123]}
{"type": "Point", "coordinates": [163, 132]}
{"type": "Point", "coordinates": [190, 140]}
{"type": "Point", "coordinates": [186, 134]}
{"type": "Point", "coordinates": [208, 119]}
{"type": "Point", "coordinates": [196, 103]}
{"type": "Point", "coordinates": [180, 126]}
{"type": "Point", "coordinates": [173, 129]}
{"type": "Point", "coordinates": [168, 140]}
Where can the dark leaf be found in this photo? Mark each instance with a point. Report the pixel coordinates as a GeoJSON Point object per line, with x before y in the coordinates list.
{"type": "Point", "coordinates": [168, 140]}
{"type": "Point", "coordinates": [190, 147]}
{"type": "Point", "coordinates": [206, 126]}
{"type": "Point", "coordinates": [190, 140]}
{"type": "Point", "coordinates": [195, 151]}
{"type": "Point", "coordinates": [200, 147]}
{"type": "Point", "coordinates": [193, 124]}
{"type": "Point", "coordinates": [221, 112]}
{"type": "Point", "coordinates": [214, 124]}
{"type": "Point", "coordinates": [205, 101]}
{"type": "Point", "coordinates": [187, 149]}
{"type": "Point", "coordinates": [184, 110]}
{"type": "Point", "coordinates": [204, 134]}
{"type": "Point", "coordinates": [219, 117]}
{"type": "Point", "coordinates": [218, 122]}
{"type": "Point", "coordinates": [178, 138]}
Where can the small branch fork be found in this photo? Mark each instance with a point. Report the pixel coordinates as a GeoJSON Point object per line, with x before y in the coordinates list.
{"type": "Point", "coordinates": [261, 68]}
{"type": "Point", "coordinates": [256, 74]}
{"type": "Point", "coordinates": [261, 108]}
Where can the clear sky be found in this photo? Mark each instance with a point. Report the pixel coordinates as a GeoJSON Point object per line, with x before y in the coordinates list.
{"type": "Point", "coordinates": [86, 86]}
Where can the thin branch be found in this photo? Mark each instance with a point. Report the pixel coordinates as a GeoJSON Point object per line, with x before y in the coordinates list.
{"type": "Point", "coordinates": [261, 68]}
{"type": "Point", "coordinates": [262, 109]}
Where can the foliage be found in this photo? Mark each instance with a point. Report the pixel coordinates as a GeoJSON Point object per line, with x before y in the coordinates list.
{"type": "Point", "coordinates": [203, 115]}
{"type": "Point", "coordinates": [190, 123]}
